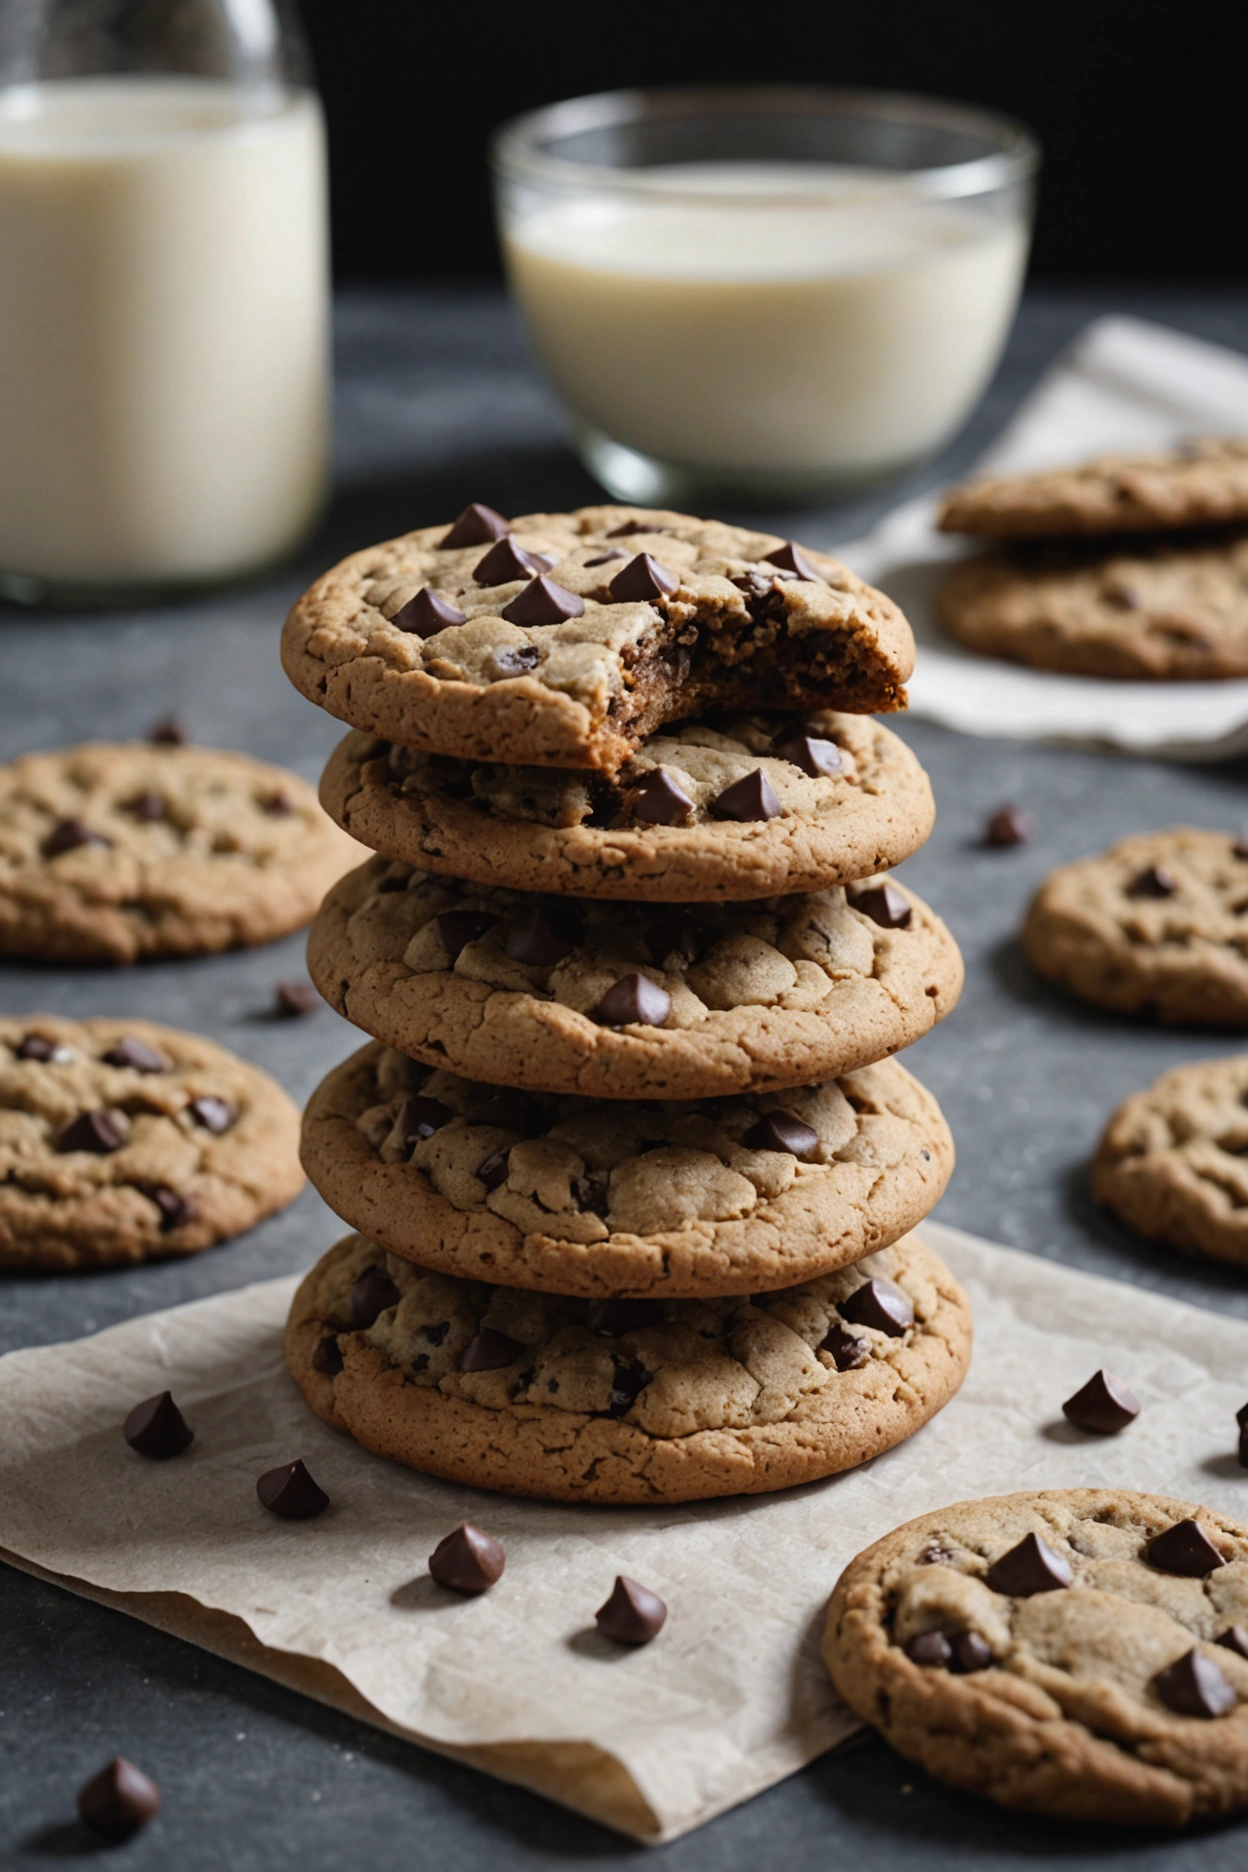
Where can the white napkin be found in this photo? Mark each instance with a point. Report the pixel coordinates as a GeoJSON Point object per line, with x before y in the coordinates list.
{"type": "Point", "coordinates": [1122, 385]}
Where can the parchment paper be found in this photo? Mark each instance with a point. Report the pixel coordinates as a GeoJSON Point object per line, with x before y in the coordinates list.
{"type": "Point", "coordinates": [730, 1698]}
{"type": "Point", "coordinates": [1123, 384]}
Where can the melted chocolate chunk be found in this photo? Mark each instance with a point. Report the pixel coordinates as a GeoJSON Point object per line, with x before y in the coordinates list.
{"type": "Point", "coordinates": [632, 527]}
{"type": "Point", "coordinates": [634, 1000]}
{"type": "Point", "coordinates": [1009, 825]}
{"type": "Point", "coordinates": [96, 1131]}
{"type": "Point", "coordinates": [1156, 881]}
{"type": "Point", "coordinates": [606, 558]}
{"type": "Point", "coordinates": [427, 613]}
{"type": "Point", "coordinates": [885, 905]}
{"type": "Point", "coordinates": [175, 1208]}
{"type": "Point", "coordinates": [39, 1047]}
{"type": "Point", "coordinates": [658, 800]}
{"type": "Point", "coordinates": [327, 1358]}
{"type": "Point", "coordinates": [157, 1428]}
{"type": "Point", "coordinates": [212, 1113]}
{"type": "Point", "coordinates": [277, 805]}
{"type": "Point", "coordinates": [1030, 1567]}
{"type": "Point", "coordinates": [420, 1117]}
{"type": "Point", "coordinates": [633, 1615]}
{"type": "Point", "coordinates": [970, 1653]}
{"type": "Point", "coordinates": [68, 834]}
{"type": "Point", "coordinates": [476, 526]}
{"type": "Point", "coordinates": [1103, 1406]}
{"type": "Point", "coordinates": [781, 1131]}
{"type": "Point", "coordinates": [290, 1492]}
{"type": "Point", "coordinates": [136, 1054]}
{"type": "Point", "coordinates": [748, 799]}
{"type": "Point", "coordinates": [489, 1351]}
{"type": "Point", "coordinates": [119, 1801]}
{"type": "Point", "coordinates": [541, 603]}
{"type": "Point", "coordinates": [847, 1350]}
{"type": "Point", "coordinates": [457, 928]}
{"type": "Point", "coordinates": [1184, 1549]}
{"type": "Point", "coordinates": [613, 1317]}
{"type": "Point", "coordinates": [627, 1386]}
{"type": "Point", "coordinates": [540, 939]}
{"type": "Point", "coordinates": [879, 1303]}
{"type": "Point", "coordinates": [930, 1648]}
{"type": "Point", "coordinates": [675, 932]}
{"type": "Point", "coordinates": [515, 660]}
{"type": "Point", "coordinates": [371, 1296]}
{"type": "Point", "coordinates": [815, 756]}
{"type": "Point", "coordinates": [468, 1561]}
{"type": "Point", "coordinates": [1194, 1686]}
{"type": "Point", "coordinates": [492, 1170]}
{"type": "Point", "coordinates": [791, 558]}
{"type": "Point", "coordinates": [641, 580]}
{"type": "Point", "coordinates": [506, 562]}
{"type": "Point", "coordinates": [510, 1111]}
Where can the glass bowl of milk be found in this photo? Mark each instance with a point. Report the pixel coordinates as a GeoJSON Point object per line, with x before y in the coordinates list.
{"type": "Point", "coordinates": [769, 293]}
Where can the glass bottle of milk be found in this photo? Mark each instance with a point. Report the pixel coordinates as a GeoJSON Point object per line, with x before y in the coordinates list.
{"type": "Point", "coordinates": [163, 295]}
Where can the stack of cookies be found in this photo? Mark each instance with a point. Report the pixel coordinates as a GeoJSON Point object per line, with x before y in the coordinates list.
{"type": "Point", "coordinates": [632, 1168]}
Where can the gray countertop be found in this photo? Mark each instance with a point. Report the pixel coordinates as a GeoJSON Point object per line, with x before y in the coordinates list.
{"type": "Point", "coordinates": [438, 406]}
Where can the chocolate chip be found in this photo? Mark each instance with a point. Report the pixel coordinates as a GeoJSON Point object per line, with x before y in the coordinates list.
{"type": "Point", "coordinates": [68, 834]}
{"type": "Point", "coordinates": [634, 1000]}
{"type": "Point", "coordinates": [791, 558]}
{"type": "Point", "coordinates": [811, 753]}
{"type": "Point", "coordinates": [48, 1052]}
{"type": "Point", "coordinates": [427, 613]}
{"type": "Point", "coordinates": [633, 1615]}
{"type": "Point", "coordinates": [327, 1358]}
{"type": "Point", "coordinates": [278, 805]}
{"type": "Point", "coordinates": [119, 1801]}
{"type": "Point", "coordinates": [296, 998]}
{"type": "Point", "coordinates": [98, 1131]}
{"type": "Point", "coordinates": [1185, 1549]}
{"type": "Point", "coordinates": [1156, 881]}
{"type": "Point", "coordinates": [468, 1561]}
{"type": "Point", "coordinates": [543, 602]}
{"type": "Point", "coordinates": [1103, 1406]}
{"type": "Point", "coordinates": [1028, 1568]}
{"type": "Point", "coordinates": [885, 905]}
{"type": "Point", "coordinates": [212, 1113]}
{"type": "Point", "coordinates": [420, 1117]}
{"type": "Point", "coordinates": [879, 1303]}
{"type": "Point", "coordinates": [658, 800]}
{"type": "Point", "coordinates": [492, 1170]}
{"type": "Point", "coordinates": [290, 1492]}
{"type": "Point", "coordinates": [1240, 848]}
{"type": "Point", "coordinates": [475, 526]}
{"type": "Point", "coordinates": [1009, 825]}
{"type": "Point", "coordinates": [489, 1351]}
{"type": "Point", "coordinates": [643, 578]}
{"type": "Point", "coordinates": [157, 1428]}
{"type": "Point", "coordinates": [372, 1295]}
{"type": "Point", "coordinates": [540, 939]}
{"type": "Point", "coordinates": [507, 562]}
{"type": "Point", "coordinates": [847, 1350]}
{"type": "Point", "coordinates": [148, 807]}
{"type": "Point", "coordinates": [510, 1111]}
{"type": "Point", "coordinates": [606, 558]}
{"type": "Point", "coordinates": [674, 932]}
{"type": "Point", "coordinates": [613, 1317]}
{"type": "Point", "coordinates": [457, 928]}
{"type": "Point", "coordinates": [134, 1053]}
{"type": "Point", "coordinates": [1194, 1686]}
{"type": "Point", "coordinates": [632, 527]}
{"type": "Point", "coordinates": [754, 585]}
{"type": "Point", "coordinates": [747, 799]}
{"type": "Point", "coordinates": [1235, 1638]}
{"type": "Point", "coordinates": [970, 1653]}
{"type": "Point", "coordinates": [930, 1648]}
{"type": "Point", "coordinates": [169, 731]}
{"type": "Point", "coordinates": [436, 1333]}
{"type": "Point", "coordinates": [781, 1131]}
{"type": "Point", "coordinates": [175, 1209]}
{"type": "Point", "coordinates": [626, 1387]}
{"type": "Point", "coordinates": [515, 660]}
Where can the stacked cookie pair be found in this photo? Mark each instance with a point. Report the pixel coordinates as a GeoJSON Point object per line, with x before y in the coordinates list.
{"type": "Point", "coordinates": [632, 1170]}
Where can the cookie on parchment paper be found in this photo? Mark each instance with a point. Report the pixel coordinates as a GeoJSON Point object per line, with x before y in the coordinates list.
{"type": "Point", "coordinates": [1199, 483]}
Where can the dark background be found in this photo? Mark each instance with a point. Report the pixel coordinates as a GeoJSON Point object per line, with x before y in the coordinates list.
{"type": "Point", "coordinates": [1139, 104]}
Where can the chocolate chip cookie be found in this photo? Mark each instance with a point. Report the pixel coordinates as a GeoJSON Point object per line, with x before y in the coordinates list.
{"type": "Point", "coordinates": [1201, 483]}
{"type": "Point", "coordinates": [740, 807]}
{"type": "Point", "coordinates": [1167, 609]}
{"type": "Point", "coordinates": [563, 640]}
{"type": "Point", "coordinates": [122, 1141]}
{"type": "Point", "coordinates": [1156, 926]}
{"type": "Point", "coordinates": [632, 1001]}
{"type": "Point", "coordinates": [1173, 1162]}
{"type": "Point", "coordinates": [627, 1400]}
{"type": "Point", "coordinates": [1079, 1652]}
{"type": "Point", "coordinates": [604, 1196]}
{"type": "Point", "coordinates": [121, 852]}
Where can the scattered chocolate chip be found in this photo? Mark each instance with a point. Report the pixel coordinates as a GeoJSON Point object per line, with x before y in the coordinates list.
{"type": "Point", "coordinates": [510, 1111]}
{"type": "Point", "coordinates": [278, 805]}
{"type": "Point", "coordinates": [1103, 1406]}
{"type": "Point", "coordinates": [1235, 1638]}
{"type": "Point", "coordinates": [468, 1561]}
{"type": "Point", "coordinates": [658, 800]}
{"type": "Point", "coordinates": [626, 1387]}
{"type": "Point", "coordinates": [931, 1648]}
{"type": "Point", "coordinates": [157, 1428]}
{"type": "Point", "coordinates": [1194, 1686]}
{"type": "Point", "coordinates": [175, 1208]}
{"type": "Point", "coordinates": [633, 1615]}
{"type": "Point", "coordinates": [674, 932]}
{"type": "Point", "coordinates": [815, 756]}
{"type": "Point", "coordinates": [327, 1358]}
{"type": "Point", "coordinates": [427, 613]}
{"type": "Point", "coordinates": [506, 562]}
{"type": "Point", "coordinates": [613, 1317]}
{"type": "Point", "coordinates": [475, 527]}
{"type": "Point", "coordinates": [492, 1170]}
{"type": "Point", "coordinates": [754, 585]}
{"type": "Point", "coordinates": [643, 578]}
{"type": "Point", "coordinates": [791, 558]}
{"type": "Point", "coordinates": [371, 1296]}
{"type": "Point", "coordinates": [290, 1492]}
{"type": "Point", "coordinates": [1185, 1549]}
{"type": "Point", "coordinates": [119, 1801]}
{"type": "Point", "coordinates": [420, 1117]}
{"type": "Point", "coordinates": [781, 1131]}
{"type": "Point", "coordinates": [634, 1000]}
{"type": "Point", "coordinates": [134, 1053]}
{"type": "Point", "coordinates": [847, 1350]}
{"type": "Point", "coordinates": [98, 1131]}
{"type": "Point", "coordinates": [606, 558]}
{"type": "Point", "coordinates": [632, 527]}
{"type": "Point", "coordinates": [879, 1303]}
{"type": "Point", "coordinates": [515, 660]}
{"type": "Point", "coordinates": [543, 602]}
{"type": "Point", "coordinates": [169, 731]}
{"type": "Point", "coordinates": [1156, 881]}
{"type": "Point", "coordinates": [68, 834]}
{"type": "Point", "coordinates": [1030, 1567]}
{"type": "Point", "coordinates": [47, 1052]}
{"type": "Point", "coordinates": [457, 928]}
{"type": "Point", "coordinates": [1009, 825]}
{"type": "Point", "coordinates": [489, 1351]}
{"type": "Point", "coordinates": [970, 1653]}
{"type": "Point", "coordinates": [296, 998]}
{"type": "Point", "coordinates": [149, 806]}
{"type": "Point", "coordinates": [212, 1113]}
{"type": "Point", "coordinates": [748, 799]}
{"type": "Point", "coordinates": [536, 941]}
{"type": "Point", "coordinates": [885, 905]}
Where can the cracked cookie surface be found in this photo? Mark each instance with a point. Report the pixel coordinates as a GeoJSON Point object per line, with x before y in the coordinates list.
{"type": "Point", "coordinates": [1198, 484]}
{"type": "Point", "coordinates": [737, 997]}
{"type": "Point", "coordinates": [580, 678]}
{"type": "Point", "coordinates": [116, 852]}
{"type": "Point", "coordinates": [1173, 1162]}
{"type": "Point", "coordinates": [1155, 926]}
{"type": "Point", "coordinates": [594, 1197]}
{"type": "Point", "coordinates": [572, 832]}
{"type": "Point", "coordinates": [166, 1148]}
{"type": "Point", "coordinates": [1068, 1703]}
{"type": "Point", "coordinates": [677, 1400]}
